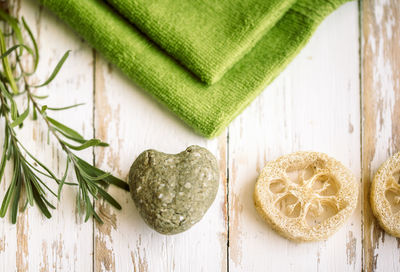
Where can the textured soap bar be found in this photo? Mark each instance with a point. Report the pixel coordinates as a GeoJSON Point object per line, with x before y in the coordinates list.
{"type": "Point", "coordinates": [173, 191]}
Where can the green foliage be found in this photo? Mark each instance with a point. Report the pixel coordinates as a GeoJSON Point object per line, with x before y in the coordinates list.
{"type": "Point", "coordinates": [29, 173]}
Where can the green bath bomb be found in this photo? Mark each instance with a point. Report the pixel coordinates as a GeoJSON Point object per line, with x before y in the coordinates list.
{"type": "Point", "coordinates": [172, 192]}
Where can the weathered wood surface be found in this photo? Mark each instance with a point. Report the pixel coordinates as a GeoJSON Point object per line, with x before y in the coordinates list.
{"type": "Point", "coordinates": [35, 243]}
{"type": "Point", "coordinates": [312, 105]}
{"type": "Point", "coordinates": [381, 119]}
{"type": "Point", "coordinates": [125, 243]}
{"type": "Point", "coordinates": [318, 103]}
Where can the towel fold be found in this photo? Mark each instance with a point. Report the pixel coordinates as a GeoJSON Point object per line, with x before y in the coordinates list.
{"type": "Point", "coordinates": [208, 109]}
{"type": "Point", "coordinates": [206, 36]}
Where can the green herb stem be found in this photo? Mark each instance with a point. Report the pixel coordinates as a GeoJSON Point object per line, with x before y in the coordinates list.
{"type": "Point", "coordinates": [90, 179]}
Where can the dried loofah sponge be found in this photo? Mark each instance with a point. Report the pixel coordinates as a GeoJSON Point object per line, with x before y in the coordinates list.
{"type": "Point", "coordinates": [306, 196]}
{"type": "Point", "coordinates": [385, 195]}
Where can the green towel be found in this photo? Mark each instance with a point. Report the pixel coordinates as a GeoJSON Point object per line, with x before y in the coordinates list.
{"type": "Point", "coordinates": [208, 109]}
{"type": "Point", "coordinates": [206, 36]}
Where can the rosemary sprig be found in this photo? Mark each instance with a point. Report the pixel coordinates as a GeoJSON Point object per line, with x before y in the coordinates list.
{"type": "Point", "coordinates": [28, 171]}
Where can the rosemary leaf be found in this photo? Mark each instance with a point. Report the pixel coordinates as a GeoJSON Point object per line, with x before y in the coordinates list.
{"type": "Point", "coordinates": [55, 71]}
{"type": "Point", "coordinates": [86, 144]}
{"type": "Point", "coordinates": [17, 195]}
{"type": "Point", "coordinates": [10, 190]}
{"type": "Point", "coordinates": [65, 129]}
{"type": "Point", "coordinates": [13, 22]}
{"type": "Point", "coordinates": [30, 176]}
{"type": "Point", "coordinates": [39, 201]}
{"type": "Point", "coordinates": [78, 140]}
{"type": "Point", "coordinates": [6, 65]}
{"type": "Point", "coordinates": [4, 154]}
{"type": "Point", "coordinates": [18, 121]}
{"type": "Point", "coordinates": [62, 181]}
{"type": "Point", "coordinates": [14, 48]}
{"type": "Point", "coordinates": [109, 198]}
{"type": "Point", "coordinates": [95, 171]}
{"type": "Point", "coordinates": [66, 108]}
{"type": "Point", "coordinates": [35, 47]}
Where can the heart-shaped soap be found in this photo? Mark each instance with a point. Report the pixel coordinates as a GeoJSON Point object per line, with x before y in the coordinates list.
{"type": "Point", "coordinates": [173, 191]}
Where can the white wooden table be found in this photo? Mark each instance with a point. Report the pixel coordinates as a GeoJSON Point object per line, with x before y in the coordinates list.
{"type": "Point", "coordinates": [341, 96]}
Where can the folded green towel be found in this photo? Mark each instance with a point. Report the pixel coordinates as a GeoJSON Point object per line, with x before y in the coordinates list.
{"type": "Point", "coordinates": [206, 36]}
{"type": "Point", "coordinates": [208, 109]}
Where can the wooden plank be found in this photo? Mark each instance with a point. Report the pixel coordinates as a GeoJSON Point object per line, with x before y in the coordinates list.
{"type": "Point", "coordinates": [313, 105]}
{"type": "Point", "coordinates": [291, 106]}
{"type": "Point", "coordinates": [381, 124]}
{"type": "Point", "coordinates": [63, 242]}
{"type": "Point", "coordinates": [8, 232]}
{"type": "Point", "coordinates": [131, 121]}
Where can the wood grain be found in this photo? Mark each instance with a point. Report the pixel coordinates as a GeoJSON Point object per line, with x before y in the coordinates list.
{"type": "Point", "coordinates": [58, 243]}
{"type": "Point", "coordinates": [8, 233]}
{"type": "Point", "coordinates": [381, 123]}
{"type": "Point", "coordinates": [131, 121]}
{"type": "Point", "coordinates": [312, 105]}
{"type": "Point", "coordinates": [315, 104]}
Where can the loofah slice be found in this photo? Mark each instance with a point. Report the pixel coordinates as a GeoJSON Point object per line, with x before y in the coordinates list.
{"type": "Point", "coordinates": [385, 195]}
{"type": "Point", "coordinates": [305, 196]}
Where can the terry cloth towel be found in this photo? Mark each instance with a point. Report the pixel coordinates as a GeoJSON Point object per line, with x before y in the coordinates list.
{"type": "Point", "coordinates": [208, 109]}
{"type": "Point", "coordinates": [206, 36]}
